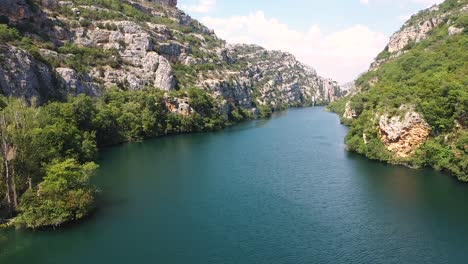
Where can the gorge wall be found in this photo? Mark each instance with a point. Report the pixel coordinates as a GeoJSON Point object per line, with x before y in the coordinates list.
{"type": "Point", "coordinates": [144, 44]}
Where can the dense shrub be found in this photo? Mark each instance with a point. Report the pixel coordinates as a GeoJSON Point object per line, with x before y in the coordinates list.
{"type": "Point", "coordinates": [64, 195]}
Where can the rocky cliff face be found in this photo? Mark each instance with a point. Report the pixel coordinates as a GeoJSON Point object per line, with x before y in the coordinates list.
{"type": "Point", "coordinates": [268, 78]}
{"type": "Point", "coordinates": [349, 112]}
{"type": "Point", "coordinates": [21, 75]}
{"type": "Point", "coordinates": [416, 29]}
{"type": "Point", "coordinates": [403, 134]}
{"type": "Point", "coordinates": [141, 44]}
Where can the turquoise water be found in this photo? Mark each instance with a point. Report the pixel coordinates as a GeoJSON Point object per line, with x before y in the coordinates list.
{"type": "Point", "coordinates": [277, 191]}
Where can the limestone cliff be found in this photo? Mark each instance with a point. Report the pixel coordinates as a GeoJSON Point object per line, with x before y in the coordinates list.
{"type": "Point", "coordinates": [141, 44]}
{"type": "Point", "coordinates": [403, 134]}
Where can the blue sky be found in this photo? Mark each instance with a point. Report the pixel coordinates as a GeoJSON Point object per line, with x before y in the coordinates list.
{"type": "Point", "coordinates": [338, 38]}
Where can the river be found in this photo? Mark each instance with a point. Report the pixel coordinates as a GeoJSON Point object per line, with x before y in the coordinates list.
{"type": "Point", "coordinates": [282, 190]}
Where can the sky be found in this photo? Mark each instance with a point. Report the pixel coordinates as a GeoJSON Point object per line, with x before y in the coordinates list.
{"type": "Point", "coordinates": [339, 38]}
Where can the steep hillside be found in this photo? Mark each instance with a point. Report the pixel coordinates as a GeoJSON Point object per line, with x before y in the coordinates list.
{"type": "Point", "coordinates": [55, 48]}
{"type": "Point", "coordinates": [411, 107]}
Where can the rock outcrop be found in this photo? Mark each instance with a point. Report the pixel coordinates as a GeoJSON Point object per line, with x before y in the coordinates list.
{"type": "Point", "coordinates": [454, 30]}
{"type": "Point", "coordinates": [412, 33]}
{"type": "Point", "coordinates": [179, 106]}
{"type": "Point", "coordinates": [403, 134]}
{"type": "Point", "coordinates": [76, 83]}
{"type": "Point", "coordinates": [21, 75]}
{"type": "Point", "coordinates": [171, 3]}
{"type": "Point", "coordinates": [349, 112]}
{"type": "Point", "coordinates": [403, 113]}
{"type": "Point", "coordinates": [417, 29]}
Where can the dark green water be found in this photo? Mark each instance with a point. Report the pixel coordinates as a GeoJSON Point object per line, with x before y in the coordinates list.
{"type": "Point", "coordinates": [277, 191]}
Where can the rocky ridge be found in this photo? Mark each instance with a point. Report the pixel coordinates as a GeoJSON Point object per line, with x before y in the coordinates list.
{"type": "Point", "coordinates": [416, 29]}
{"type": "Point", "coordinates": [146, 44]}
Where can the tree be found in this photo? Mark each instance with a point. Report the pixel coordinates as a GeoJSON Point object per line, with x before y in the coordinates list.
{"type": "Point", "coordinates": [17, 121]}
{"type": "Point", "coordinates": [64, 195]}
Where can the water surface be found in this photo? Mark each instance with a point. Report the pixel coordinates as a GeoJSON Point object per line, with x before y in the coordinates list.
{"type": "Point", "coordinates": [277, 191]}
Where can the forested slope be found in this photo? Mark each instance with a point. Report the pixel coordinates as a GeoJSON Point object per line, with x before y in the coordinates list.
{"type": "Point", "coordinates": [411, 106]}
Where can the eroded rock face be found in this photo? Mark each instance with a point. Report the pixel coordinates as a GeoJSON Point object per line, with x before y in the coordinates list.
{"type": "Point", "coordinates": [78, 84]}
{"type": "Point", "coordinates": [23, 76]}
{"type": "Point", "coordinates": [349, 112]}
{"type": "Point", "coordinates": [179, 106]}
{"type": "Point", "coordinates": [280, 79]}
{"type": "Point", "coordinates": [171, 3]}
{"type": "Point", "coordinates": [414, 33]}
{"type": "Point", "coordinates": [402, 135]}
{"type": "Point", "coordinates": [143, 66]}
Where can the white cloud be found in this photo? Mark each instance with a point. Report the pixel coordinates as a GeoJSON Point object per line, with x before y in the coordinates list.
{"type": "Point", "coordinates": [202, 6]}
{"type": "Point", "coordinates": [341, 55]}
{"type": "Point", "coordinates": [424, 2]}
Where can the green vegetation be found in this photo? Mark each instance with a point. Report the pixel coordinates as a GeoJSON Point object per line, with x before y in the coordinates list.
{"type": "Point", "coordinates": [73, 56]}
{"type": "Point", "coordinates": [117, 10]}
{"type": "Point", "coordinates": [32, 138]}
{"type": "Point", "coordinates": [8, 34]}
{"type": "Point", "coordinates": [15, 37]}
{"type": "Point", "coordinates": [445, 7]}
{"type": "Point", "coordinates": [432, 76]}
{"type": "Point", "coordinates": [47, 151]}
{"type": "Point", "coordinates": [85, 57]}
{"type": "Point", "coordinates": [64, 195]}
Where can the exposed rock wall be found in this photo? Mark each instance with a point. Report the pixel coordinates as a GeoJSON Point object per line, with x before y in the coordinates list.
{"type": "Point", "coordinates": [279, 78]}
{"type": "Point", "coordinates": [414, 33]}
{"type": "Point", "coordinates": [179, 106]}
{"type": "Point", "coordinates": [403, 134]}
{"type": "Point", "coordinates": [349, 112]}
{"type": "Point", "coordinates": [171, 3]}
{"type": "Point", "coordinates": [239, 76]}
{"type": "Point", "coordinates": [144, 67]}
{"type": "Point", "coordinates": [76, 83]}
{"type": "Point", "coordinates": [21, 75]}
